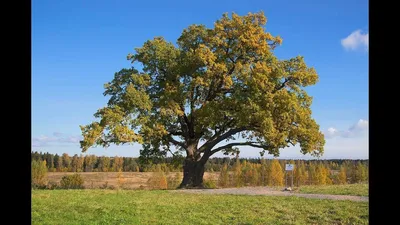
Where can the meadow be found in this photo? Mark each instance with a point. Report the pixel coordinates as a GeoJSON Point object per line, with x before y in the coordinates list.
{"type": "Point", "coordinates": [344, 189]}
{"type": "Point", "coordinates": [95, 206]}
{"type": "Point", "coordinates": [132, 180]}
{"type": "Point", "coordinates": [138, 180]}
{"type": "Point", "coordinates": [130, 198]}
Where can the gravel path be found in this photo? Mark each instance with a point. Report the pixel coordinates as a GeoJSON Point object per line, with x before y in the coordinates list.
{"type": "Point", "coordinates": [269, 191]}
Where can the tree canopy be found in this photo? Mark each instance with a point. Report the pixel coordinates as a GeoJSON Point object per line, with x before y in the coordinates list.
{"type": "Point", "coordinates": [214, 85]}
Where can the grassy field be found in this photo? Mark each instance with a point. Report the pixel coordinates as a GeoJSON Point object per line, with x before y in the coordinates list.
{"type": "Point", "coordinates": [164, 207]}
{"type": "Point", "coordinates": [347, 189]}
{"type": "Point", "coordinates": [138, 180]}
{"type": "Point", "coordinates": [133, 180]}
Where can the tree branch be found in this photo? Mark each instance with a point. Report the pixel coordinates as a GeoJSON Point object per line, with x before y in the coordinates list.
{"type": "Point", "coordinates": [185, 128]}
{"type": "Point", "coordinates": [188, 123]}
{"type": "Point", "coordinates": [282, 85]}
{"type": "Point", "coordinates": [176, 133]}
{"type": "Point", "coordinates": [211, 143]}
{"type": "Point", "coordinates": [222, 129]}
{"type": "Point", "coordinates": [175, 142]}
{"type": "Point", "coordinates": [252, 144]}
{"type": "Point", "coordinates": [171, 152]}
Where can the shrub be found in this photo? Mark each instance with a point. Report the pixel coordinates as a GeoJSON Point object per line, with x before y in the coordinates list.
{"type": "Point", "coordinates": [237, 174]}
{"type": "Point", "coordinates": [120, 179]}
{"type": "Point", "coordinates": [223, 179]}
{"type": "Point", "coordinates": [38, 174]}
{"type": "Point", "coordinates": [209, 184]}
{"type": "Point", "coordinates": [158, 181]}
{"type": "Point", "coordinates": [52, 185]}
{"type": "Point", "coordinates": [74, 181]}
{"type": "Point", "coordinates": [174, 182]}
{"type": "Point", "coordinates": [342, 178]}
{"type": "Point", "coordinates": [104, 186]}
{"type": "Point", "coordinates": [359, 173]}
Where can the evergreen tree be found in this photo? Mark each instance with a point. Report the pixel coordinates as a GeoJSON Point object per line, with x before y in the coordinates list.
{"type": "Point", "coordinates": [50, 161]}
{"type": "Point", "coordinates": [56, 157]}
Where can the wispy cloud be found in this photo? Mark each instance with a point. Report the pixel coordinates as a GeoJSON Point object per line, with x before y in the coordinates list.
{"type": "Point", "coordinates": [356, 40]}
{"type": "Point", "coordinates": [55, 139]}
{"type": "Point", "coordinates": [58, 134]}
{"type": "Point", "coordinates": [355, 130]}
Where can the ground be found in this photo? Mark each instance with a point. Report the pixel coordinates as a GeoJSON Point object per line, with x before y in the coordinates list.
{"type": "Point", "coordinates": [330, 204]}
{"type": "Point", "coordinates": [179, 207]}
{"type": "Point", "coordinates": [272, 192]}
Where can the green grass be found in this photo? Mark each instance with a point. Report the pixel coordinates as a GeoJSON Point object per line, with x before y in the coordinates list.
{"type": "Point", "coordinates": [346, 189]}
{"type": "Point", "coordinates": [164, 207]}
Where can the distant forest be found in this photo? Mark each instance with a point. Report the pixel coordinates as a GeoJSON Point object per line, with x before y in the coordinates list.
{"type": "Point", "coordinates": [93, 163]}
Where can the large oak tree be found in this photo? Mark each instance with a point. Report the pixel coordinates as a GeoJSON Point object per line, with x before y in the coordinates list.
{"type": "Point", "coordinates": [214, 86]}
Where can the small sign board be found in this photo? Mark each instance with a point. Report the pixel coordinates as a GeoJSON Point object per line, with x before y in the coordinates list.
{"type": "Point", "coordinates": [289, 167]}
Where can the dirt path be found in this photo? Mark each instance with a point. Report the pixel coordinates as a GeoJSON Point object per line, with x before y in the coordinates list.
{"type": "Point", "coordinates": [269, 191]}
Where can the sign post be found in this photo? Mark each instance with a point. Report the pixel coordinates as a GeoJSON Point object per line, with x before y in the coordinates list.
{"type": "Point", "coordinates": [289, 167]}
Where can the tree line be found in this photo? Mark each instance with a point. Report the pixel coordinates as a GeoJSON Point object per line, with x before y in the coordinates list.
{"type": "Point", "coordinates": [306, 172]}
{"type": "Point", "coordinates": [233, 172]}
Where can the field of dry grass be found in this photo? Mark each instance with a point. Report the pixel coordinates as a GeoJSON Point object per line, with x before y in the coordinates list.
{"type": "Point", "coordinates": [133, 180]}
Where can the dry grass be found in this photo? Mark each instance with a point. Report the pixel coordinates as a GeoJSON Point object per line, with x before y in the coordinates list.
{"type": "Point", "coordinates": [133, 180]}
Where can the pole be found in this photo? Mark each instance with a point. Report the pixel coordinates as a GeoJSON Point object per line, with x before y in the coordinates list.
{"type": "Point", "coordinates": [285, 179]}
{"type": "Point", "coordinates": [292, 180]}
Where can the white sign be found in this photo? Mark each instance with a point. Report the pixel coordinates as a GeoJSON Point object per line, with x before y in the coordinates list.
{"type": "Point", "coordinates": [289, 167]}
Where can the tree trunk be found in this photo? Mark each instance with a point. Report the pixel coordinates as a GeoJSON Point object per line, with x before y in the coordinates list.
{"type": "Point", "coordinates": [193, 172]}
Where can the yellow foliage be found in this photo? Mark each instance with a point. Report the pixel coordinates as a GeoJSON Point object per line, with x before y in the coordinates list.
{"type": "Point", "coordinates": [276, 175]}
{"type": "Point", "coordinates": [221, 78]}
{"type": "Point", "coordinates": [342, 178]}
{"type": "Point", "coordinates": [158, 181]}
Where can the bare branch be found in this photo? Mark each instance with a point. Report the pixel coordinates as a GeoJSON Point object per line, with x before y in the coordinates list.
{"type": "Point", "coordinates": [282, 85]}
{"type": "Point", "coordinates": [175, 142]}
{"type": "Point", "coordinates": [211, 143]}
{"type": "Point", "coordinates": [252, 144]}
{"type": "Point", "coordinates": [171, 152]}
{"type": "Point", "coordinates": [176, 133]}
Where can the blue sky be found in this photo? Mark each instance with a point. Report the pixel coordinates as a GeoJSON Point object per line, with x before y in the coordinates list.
{"type": "Point", "coordinates": [77, 46]}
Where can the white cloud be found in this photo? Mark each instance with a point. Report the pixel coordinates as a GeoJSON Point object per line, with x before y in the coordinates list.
{"type": "Point", "coordinates": [57, 138]}
{"type": "Point", "coordinates": [360, 125]}
{"type": "Point", "coordinates": [331, 132]}
{"type": "Point", "coordinates": [356, 40]}
{"type": "Point", "coordinates": [354, 131]}
{"type": "Point", "coordinates": [335, 148]}
{"type": "Point", "coordinates": [344, 146]}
